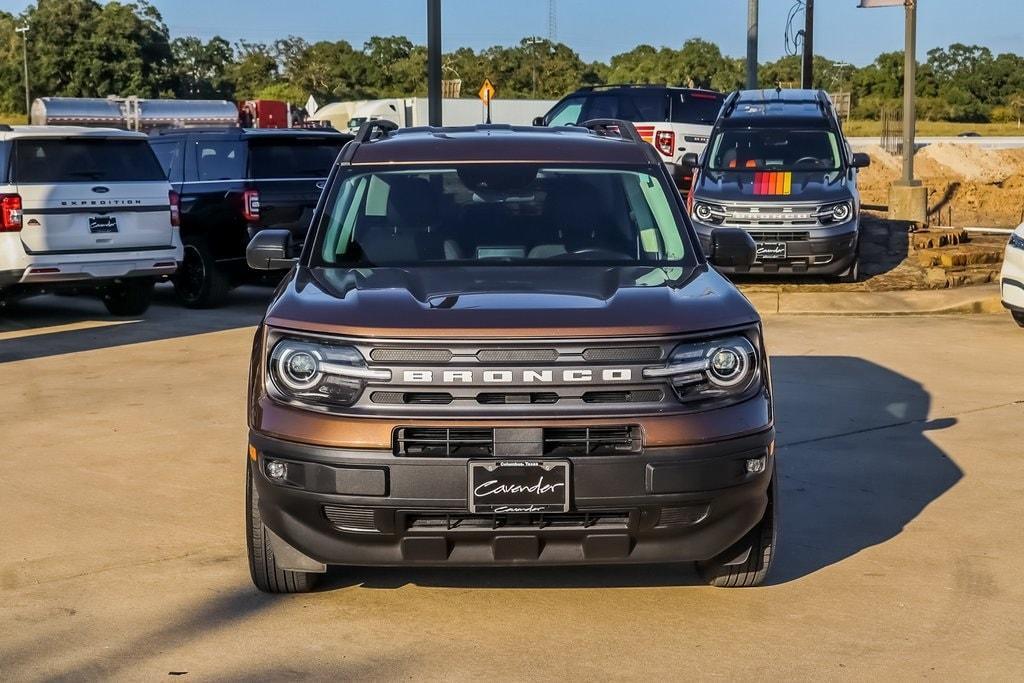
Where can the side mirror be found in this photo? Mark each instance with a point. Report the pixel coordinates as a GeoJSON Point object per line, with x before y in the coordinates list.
{"type": "Point", "coordinates": [270, 250]}
{"type": "Point", "coordinates": [538, 121]}
{"type": "Point", "coordinates": [731, 248]}
{"type": "Point", "coordinates": [690, 160]}
{"type": "Point", "coordinates": [860, 160]}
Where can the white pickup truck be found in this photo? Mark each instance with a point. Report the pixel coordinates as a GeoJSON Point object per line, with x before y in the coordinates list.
{"type": "Point", "coordinates": [85, 209]}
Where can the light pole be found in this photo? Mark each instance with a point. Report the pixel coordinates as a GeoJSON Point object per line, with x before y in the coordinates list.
{"type": "Point", "coordinates": [434, 62]}
{"type": "Point", "coordinates": [752, 12]}
{"type": "Point", "coordinates": [23, 30]}
{"type": "Point", "coordinates": [908, 198]}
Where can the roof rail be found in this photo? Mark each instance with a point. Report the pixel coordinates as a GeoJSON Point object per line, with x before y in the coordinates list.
{"type": "Point", "coordinates": [623, 129]}
{"type": "Point", "coordinates": [5, 128]}
{"type": "Point", "coordinates": [600, 86]}
{"type": "Point", "coordinates": [373, 130]}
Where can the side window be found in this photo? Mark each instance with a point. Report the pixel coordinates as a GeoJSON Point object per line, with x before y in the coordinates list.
{"type": "Point", "coordinates": [220, 159]}
{"type": "Point", "coordinates": [168, 153]}
{"type": "Point", "coordinates": [644, 107]}
{"type": "Point", "coordinates": [567, 112]}
{"type": "Point", "coordinates": [602, 107]}
{"type": "Point", "coordinates": [5, 148]}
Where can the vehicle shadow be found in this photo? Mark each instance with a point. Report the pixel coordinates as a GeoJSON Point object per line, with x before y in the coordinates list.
{"type": "Point", "coordinates": [856, 467]}
{"type": "Point", "coordinates": [44, 326]}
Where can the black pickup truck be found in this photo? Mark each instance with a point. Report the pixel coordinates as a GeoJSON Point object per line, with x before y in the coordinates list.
{"type": "Point", "coordinates": [233, 182]}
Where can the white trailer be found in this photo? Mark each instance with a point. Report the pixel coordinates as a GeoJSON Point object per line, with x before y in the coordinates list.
{"type": "Point", "coordinates": [414, 111]}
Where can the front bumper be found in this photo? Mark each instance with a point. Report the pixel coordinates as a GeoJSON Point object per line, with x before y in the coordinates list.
{"type": "Point", "coordinates": [369, 507]}
{"type": "Point", "coordinates": [828, 251]}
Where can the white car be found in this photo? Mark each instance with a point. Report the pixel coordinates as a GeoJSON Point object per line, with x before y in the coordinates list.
{"type": "Point", "coordinates": [676, 121]}
{"type": "Point", "coordinates": [84, 209]}
{"type": "Point", "coordinates": [1011, 279]}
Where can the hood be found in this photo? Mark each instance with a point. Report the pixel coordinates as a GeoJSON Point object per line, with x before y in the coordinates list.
{"type": "Point", "coordinates": [503, 301]}
{"type": "Point", "coordinates": [782, 186]}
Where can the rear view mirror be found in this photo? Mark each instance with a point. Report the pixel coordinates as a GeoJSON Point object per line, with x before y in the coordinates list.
{"type": "Point", "coordinates": [690, 160]}
{"type": "Point", "coordinates": [538, 121]}
{"type": "Point", "coordinates": [861, 160]}
{"type": "Point", "coordinates": [270, 250]}
{"type": "Point", "coordinates": [731, 248]}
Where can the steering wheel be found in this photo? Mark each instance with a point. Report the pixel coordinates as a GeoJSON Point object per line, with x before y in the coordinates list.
{"type": "Point", "coordinates": [596, 253]}
{"type": "Point", "coordinates": [814, 160]}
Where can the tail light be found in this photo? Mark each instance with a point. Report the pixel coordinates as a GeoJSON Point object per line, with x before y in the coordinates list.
{"type": "Point", "coordinates": [251, 205]}
{"type": "Point", "coordinates": [10, 213]}
{"type": "Point", "coordinates": [175, 202]}
{"type": "Point", "coordinates": [665, 142]}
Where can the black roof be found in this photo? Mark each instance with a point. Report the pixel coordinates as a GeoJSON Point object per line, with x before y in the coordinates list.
{"type": "Point", "coordinates": [778, 107]}
{"type": "Point", "coordinates": [598, 142]}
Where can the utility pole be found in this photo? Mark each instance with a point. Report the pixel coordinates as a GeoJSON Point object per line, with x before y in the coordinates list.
{"type": "Point", "coordinates": [909, 90]}
{"type": "Point", "coordinates": [533, 41]}
{"type": "Point", "coordinates": [434, 62]}
{"type": "Point", "coordinates": [807, 70]}
{"type": "Point", "coordinates": [23, 30]}
{"type": "Point", "coordinates": [908, 198]}
{"type": "Point", "coordinates": [752, 12]}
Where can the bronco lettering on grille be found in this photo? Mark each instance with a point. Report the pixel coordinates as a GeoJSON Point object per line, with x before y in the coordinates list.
{"type": "Point", "coordinates": [568, 376]}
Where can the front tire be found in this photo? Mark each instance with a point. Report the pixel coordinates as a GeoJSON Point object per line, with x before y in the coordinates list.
{"type": "Point", "coordinates": [128, 297]}
{"type": "Point", "coordinates": [199, 282]}
{"type": "Point", "coordinates": [760, 541]}
{"type": "Point", "coordinates": [1018, 317]}
{"type": "Point", "coordinates": [262, 566]}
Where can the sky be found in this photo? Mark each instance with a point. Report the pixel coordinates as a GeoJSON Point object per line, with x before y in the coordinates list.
{"type": "Point", "coordinates": [597, 29]}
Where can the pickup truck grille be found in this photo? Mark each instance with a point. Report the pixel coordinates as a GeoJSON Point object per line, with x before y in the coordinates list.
{"type": "Point", "coordinates": [465, 442]}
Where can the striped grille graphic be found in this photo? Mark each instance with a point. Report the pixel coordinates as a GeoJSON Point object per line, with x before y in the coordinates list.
{"type": "Point", "coordinates": [773, 183]}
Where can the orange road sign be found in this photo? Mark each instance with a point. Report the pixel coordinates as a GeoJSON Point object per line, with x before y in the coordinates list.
{"type": "Point", "coordinates": [487, 91]}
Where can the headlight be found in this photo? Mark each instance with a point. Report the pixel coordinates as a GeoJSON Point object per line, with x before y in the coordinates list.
{"type": "Point", "coordinates": [717, 371]}
{"type": "Point", "coordinates": [839, 212]}
{"type": "Point", "coordinates": [318, 373]}
{"type": "Point", "coordinates": [1016, 241]}
{"type": "Point", "coordinates": [708, 213]}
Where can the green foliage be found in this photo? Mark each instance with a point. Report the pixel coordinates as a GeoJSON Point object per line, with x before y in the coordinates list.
{"type": "Point", "coordinates": [87, 48]}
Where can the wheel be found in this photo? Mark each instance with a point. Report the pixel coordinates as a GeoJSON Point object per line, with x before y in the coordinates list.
{"type": "Point", "coordinates": [262, 567]}
{"type": "Point", "coordinates": [128, 297]}
{"type": "Point", "coordinates": [852, 273]}
{"type": "Point", "coordinates": [760, 540]}
{"type": "Point", "coordinates": [1018, 317]}
{"type": "Point", "coordinates": [199, 282]}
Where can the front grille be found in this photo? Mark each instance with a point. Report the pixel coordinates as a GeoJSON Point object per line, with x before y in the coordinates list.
{"type": "Point", "coordinates": [560, 520]}
{"type": "Point", "coordinates": [479, 442]}
{"type": "Point", "coordinates": [411, 398]}
{"type": "Point", "coordinates": [498, 399]}
{"type": "Point", "coordinates": [780, 236]}
{"type": "Point", "coordinates": [350, 519]}
{"type": "Point", "coordinates": [388, 355]}
{"type": "Point", "coordinates": [623, 354]}
{"type": "Point", "coordinates": [591, 440]}
{"type": "Point", "coordinates": [641, 396]}
{"type": "Point", "coordinates": [517, 355]}
{"type": "Point", "coordinates": [443, 441]}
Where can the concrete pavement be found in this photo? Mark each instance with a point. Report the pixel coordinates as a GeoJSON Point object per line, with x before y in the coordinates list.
{"type": "Point", "coordinates": [123, 552]}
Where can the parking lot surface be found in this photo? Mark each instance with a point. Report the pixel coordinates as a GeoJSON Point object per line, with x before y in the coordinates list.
{"type": "Point", "coordinates": [122, 551]}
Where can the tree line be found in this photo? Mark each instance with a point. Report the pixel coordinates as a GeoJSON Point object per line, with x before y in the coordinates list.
{"type": "Point", "coordinates": [81, 48]}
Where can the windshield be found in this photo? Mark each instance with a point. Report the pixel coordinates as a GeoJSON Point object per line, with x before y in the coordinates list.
{"type": "Point", "coordinates": [293, 159]}
{"type": "Point", "coordinates": [505, 214]}
{"type": "Point", "coordinates": [64, 160]}
{"type": "Point", "coordinates": [774, 149]}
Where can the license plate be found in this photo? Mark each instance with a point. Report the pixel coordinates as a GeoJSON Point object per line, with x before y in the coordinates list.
{"type": "Point", "coordinates": [518, 486]}
{"type": "Point", "coordinates": [771, 250]}
{"type": "Point", "coordinates": [102, 224]}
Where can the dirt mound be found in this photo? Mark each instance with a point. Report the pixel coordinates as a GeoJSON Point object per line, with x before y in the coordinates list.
{"type": "Point", "coordinates": [968, 184]}
{"type": "Point", "coordinates": [973, 163]}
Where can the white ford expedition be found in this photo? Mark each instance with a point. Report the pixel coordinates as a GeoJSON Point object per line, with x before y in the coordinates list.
{"type": "Point", "coordinates": [87, 210]}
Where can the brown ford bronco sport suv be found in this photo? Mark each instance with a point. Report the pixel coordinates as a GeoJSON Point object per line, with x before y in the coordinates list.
{"type": "Point", "coordinates": [504, 346]}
